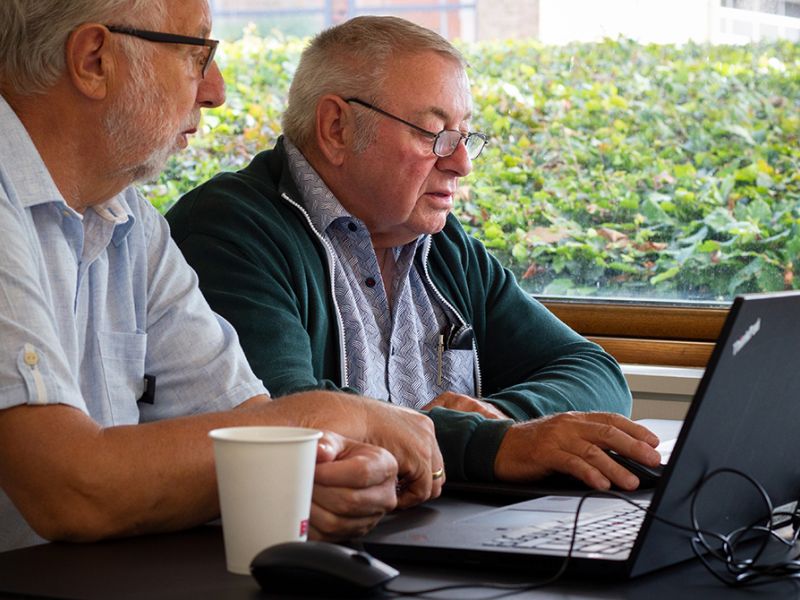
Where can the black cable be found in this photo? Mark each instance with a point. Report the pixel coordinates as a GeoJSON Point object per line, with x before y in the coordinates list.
{"type": "Point", "coordinates": [748, 571]}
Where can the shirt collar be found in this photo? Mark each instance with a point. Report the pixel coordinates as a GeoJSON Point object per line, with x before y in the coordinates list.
{"type": "Point", "coordinates": [322, 206]}
{"type": "Point", "coordinates": [117, 212]}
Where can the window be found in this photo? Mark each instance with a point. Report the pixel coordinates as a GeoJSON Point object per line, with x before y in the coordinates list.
{"type": "Point", "coordinates": [644, 160]}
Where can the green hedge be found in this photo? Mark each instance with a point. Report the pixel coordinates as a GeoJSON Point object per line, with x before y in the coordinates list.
{"type": "Point", "coordinates": [613, 168]}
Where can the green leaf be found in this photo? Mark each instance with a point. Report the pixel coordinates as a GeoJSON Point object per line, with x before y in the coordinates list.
{"type": "Point", "coordinates": [668, 274]}
{"type": "Point", "coordinates": [740, 131]}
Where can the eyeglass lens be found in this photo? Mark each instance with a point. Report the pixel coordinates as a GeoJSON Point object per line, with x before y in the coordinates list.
{"type": "Point", "coordinates": [209, 59]}
{"type": "Point", "coordinates": [447, 141]}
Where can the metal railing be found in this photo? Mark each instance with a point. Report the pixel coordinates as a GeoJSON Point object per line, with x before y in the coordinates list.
{"type": "Point", "coordinates": [738, 25]}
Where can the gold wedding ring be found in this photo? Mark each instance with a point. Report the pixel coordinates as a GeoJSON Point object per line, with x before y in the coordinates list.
{"type": "Point", "coordinates": [437, 474]}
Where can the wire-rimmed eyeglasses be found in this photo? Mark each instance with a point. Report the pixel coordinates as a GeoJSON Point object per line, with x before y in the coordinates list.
{"type": "Point", "coordinates": [171, 38]}
{"type": "Point", "coordinates": [445, 142]}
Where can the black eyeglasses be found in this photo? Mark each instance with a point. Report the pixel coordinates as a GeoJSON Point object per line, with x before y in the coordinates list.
{"type": "Point", "coordinates": [172, 38]}
{"type": "Point", "coordinates": [445, 142]}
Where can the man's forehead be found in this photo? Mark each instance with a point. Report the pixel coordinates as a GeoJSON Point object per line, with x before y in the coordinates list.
{"type": "Point", "coordinates": [191, 17]}
{"type": "Point", "coordinates": [433, 85]}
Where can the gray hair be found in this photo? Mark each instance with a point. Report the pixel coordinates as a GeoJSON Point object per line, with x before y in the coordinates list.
{"type": "Point", "coordinates": [34, 33]}
{"type": "Point", "coordinates": [349, 60]}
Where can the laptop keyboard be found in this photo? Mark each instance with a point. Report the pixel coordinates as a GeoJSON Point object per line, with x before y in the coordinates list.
{"type": "Point", "coordinates": [606, 534]}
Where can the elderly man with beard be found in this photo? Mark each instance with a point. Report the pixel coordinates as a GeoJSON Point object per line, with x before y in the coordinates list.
{"type": "Point", "coordinates": [339, 244]}
{"type": "Point", "coordinates": [96, 298]}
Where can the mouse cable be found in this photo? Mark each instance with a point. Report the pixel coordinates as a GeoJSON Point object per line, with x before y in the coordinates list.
{"type": "Point", "coordinates": [741, 572]}
{"type": "Point", "coordinates": [752, 570]}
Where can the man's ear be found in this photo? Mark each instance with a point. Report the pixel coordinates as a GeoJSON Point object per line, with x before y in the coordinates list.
{"type": "Point", "coordinates": [90, 60]}
{"type": "Point", "coordinates": [334, 128]}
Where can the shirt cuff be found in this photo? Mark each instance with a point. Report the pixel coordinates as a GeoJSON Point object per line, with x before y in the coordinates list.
{"type": "Point", "coordinates": [469, 443]}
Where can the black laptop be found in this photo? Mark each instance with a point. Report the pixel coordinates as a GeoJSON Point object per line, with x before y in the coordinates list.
{"type": "Point", "coordinates": [745, 416]}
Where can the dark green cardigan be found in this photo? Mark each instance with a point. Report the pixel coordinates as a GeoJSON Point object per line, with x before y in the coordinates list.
{"type": "Point", "coordinates": [264, 268]}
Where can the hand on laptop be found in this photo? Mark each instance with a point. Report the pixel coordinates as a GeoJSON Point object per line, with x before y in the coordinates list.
{"type": "Point", "coordinates": [574, 443]}
{"type": "Point", "coordinates": [354, 486]}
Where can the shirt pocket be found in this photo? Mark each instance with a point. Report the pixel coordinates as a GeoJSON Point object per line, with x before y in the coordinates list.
{"type": "Point", "coordinates": [122, 358]}
{"type": "Point", "coordinates": [458, 372]}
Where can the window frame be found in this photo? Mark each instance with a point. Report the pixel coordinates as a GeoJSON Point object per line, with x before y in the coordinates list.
{"type": "Point", "coordinates": [645, 332]}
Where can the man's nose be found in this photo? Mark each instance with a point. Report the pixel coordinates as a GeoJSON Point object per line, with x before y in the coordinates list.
{"type": "Point", "coordinates": [211, 91]}
{"type": "Point", "coordinates": [458, 162]}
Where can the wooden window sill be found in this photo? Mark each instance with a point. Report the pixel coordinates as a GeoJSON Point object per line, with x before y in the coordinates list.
{"type": "Point", "coordinates": [645, 333]}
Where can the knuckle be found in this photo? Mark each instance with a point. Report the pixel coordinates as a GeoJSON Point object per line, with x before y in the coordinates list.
{"type": "Point", "coordinates": [606, 432]}
{"type": "Point", "coordinates": [360, 471]}
{"type": "Point", "coordinates": [573, 463]}
{"type": "Point", "coordinates": [391, 502]}
{"type": "Point", "coordinates": [590, 453]}
{"type": "Point", "coordinates": [324, 526]}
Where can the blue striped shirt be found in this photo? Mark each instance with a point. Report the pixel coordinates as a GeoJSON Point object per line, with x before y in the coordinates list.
{"type": "Point", "coordinates": [92, 302]}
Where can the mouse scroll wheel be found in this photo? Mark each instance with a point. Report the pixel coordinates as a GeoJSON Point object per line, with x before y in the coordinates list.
{"type": "Point", "coordinates": [362, 558]}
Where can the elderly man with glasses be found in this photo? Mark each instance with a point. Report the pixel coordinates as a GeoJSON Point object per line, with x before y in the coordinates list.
{"type": "Point", "coordinates": [336, 257]}
{"type": "Point", "coordinates": [114, 368]}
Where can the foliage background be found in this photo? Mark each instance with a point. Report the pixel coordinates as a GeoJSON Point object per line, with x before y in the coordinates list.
{"type": "Point", "coordinates": [613, 169]}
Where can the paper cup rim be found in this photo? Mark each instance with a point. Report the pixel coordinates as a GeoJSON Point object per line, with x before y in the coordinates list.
{"type": "Point", "coordinates": [255, 434]}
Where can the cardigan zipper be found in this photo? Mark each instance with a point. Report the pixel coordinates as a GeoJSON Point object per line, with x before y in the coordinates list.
{"type": "Point", "coordinates": [332, 266]}
{"type": "Point", "coordinates": [426, 249]}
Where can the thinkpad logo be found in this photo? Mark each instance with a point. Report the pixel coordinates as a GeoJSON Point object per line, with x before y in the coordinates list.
{"type": "Point", "coordinates": [748, 335]}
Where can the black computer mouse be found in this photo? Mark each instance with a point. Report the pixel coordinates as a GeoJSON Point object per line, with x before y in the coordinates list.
{"type": "Point", "coordinates": [648, 476]}
{"type": "Point", "coordinates": [319, 567]}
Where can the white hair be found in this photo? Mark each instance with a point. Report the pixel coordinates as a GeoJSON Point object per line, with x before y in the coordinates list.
{"type": "Point", "coordinates": [34, 33]}
{"type": "Point", "coordinates": [351, 60]}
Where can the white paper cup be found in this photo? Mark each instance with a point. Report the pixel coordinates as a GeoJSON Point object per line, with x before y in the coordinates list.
{"type": "Point", "coordinates": [265, 476]}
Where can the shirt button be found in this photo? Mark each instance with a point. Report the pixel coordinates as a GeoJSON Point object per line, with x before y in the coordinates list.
{"type": "Point", "coordinates": [370, 282]}
{"type": "Point", "coordinates": [352, 226]}
{"type": "Point", "coordinates": [65, 213]}
{"type": "Point", "coordinates": [31, 358]}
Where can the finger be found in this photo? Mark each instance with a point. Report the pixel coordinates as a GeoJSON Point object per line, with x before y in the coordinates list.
{"type": "Point", "coordinates": [596, 468]}
{"type": "Point", "coordinates": [616, 473]}
{"type": "Point", "coordinates": [438, 465]}
{"type": "Point", "coordinates": [359, 466]}
{"type": "Point", "coordinates": [609, 431]}
{"type": "Point", "coordinates": [632, 428]}
{"type": "Point", "coordinates": [465, 404]}
{"type": "Point", "coordinates": [420, 486]}
{"type": "Point", "coordinates": [328, 446]}
{"type": "Point", "coordinates": [574, 464]}
{"type": "Point", "coordinates": [348, 502]}
{"type": "Point", "coordinates": [450, 400]}
{"type": "Point", "coordinates": [408, 496]}
{"type": "Point", "coordinates": [638, 451]}
{"type": "Point", "coordinates": [414, 488]}
{"type": "Point", "coordinates": [432, 404]}
{"type": "Point", "coordinates": [491, 412]}
{"type": "Point", "coordinates": [438, 484]}
{"type": "Point", "coordinates": [325, 525]}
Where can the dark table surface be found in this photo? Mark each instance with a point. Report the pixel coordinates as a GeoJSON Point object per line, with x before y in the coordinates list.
{"type": "Point", "coordinates": [191, 565]}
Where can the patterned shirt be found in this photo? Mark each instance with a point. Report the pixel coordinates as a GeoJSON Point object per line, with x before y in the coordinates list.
{"type": "Point", "coordinates": [90, 303]}
{"type": "Point", "coordinates": [393, 350]}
